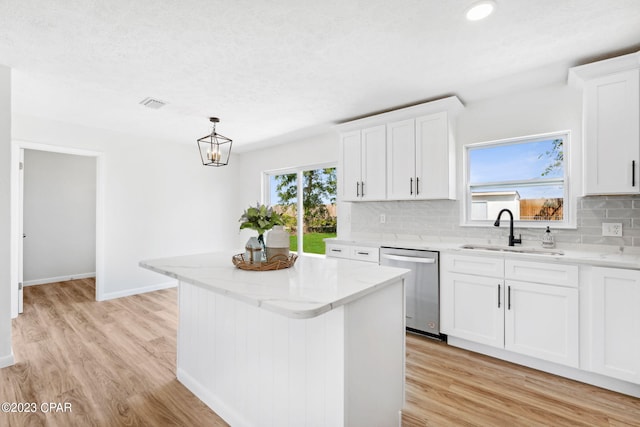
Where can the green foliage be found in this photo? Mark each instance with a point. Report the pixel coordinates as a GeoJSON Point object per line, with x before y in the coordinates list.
{"type": "Point", "coordinates": [319, 187]}
{"type": "Point", "coordinates": [556, 154]}
{"type": "Point", "coordinates": [260, 218]}
{"type": "Point", "coordinates": [313, 243]}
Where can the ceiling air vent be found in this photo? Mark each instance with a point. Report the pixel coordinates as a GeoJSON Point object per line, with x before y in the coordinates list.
{"type": "Point", "coordinates": [153, 103]}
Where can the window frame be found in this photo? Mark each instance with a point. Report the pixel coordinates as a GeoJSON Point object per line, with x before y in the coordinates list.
{"type": "Point", "coordinates": [568, 220]}
{"type": "Point", "coordinates": [298, 170]}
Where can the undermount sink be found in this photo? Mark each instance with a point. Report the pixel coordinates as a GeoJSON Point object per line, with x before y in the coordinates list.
{"type": "Point", "coordinates": [516, 249]}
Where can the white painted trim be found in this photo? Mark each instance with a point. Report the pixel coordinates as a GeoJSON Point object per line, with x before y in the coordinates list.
{"type": "Point", "coordinates": [136, 291]}
{"type": "Point", "coordinates": [7, 360]}
{"type": "Point", "coordinates": [16, 146]}
{"type": "Point", "coordinates": [570, 194]}
{"type": "Point", "coordinates": [56, 279]}
{"type": "Point", "coordinates": [15, 228]}
{"type": "Point", "coordinates": [578, 75]}
{"type": "Point", "coordinates": [452, 105]}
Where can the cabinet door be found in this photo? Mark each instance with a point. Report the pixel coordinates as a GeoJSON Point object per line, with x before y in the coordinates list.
{"type": "Point", "coordinates": [350, 161]}
{"type": "Point", "coordinates": [374, 176]}
{"type": "Point", "coordinates": [435, 158]}
{"type": "Point", "coordinates": [542, 321]}
{"type": "Point", "coordinates": [615, 323]}
{"type": "Point", "coordinates": [612, 135]}
{"type": "Point", "coordinates": [401, 163]}
{"type": "Point", "coordinates": [472, 308]}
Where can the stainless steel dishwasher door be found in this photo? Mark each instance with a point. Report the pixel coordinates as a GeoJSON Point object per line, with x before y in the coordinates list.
{"type": "Point", "coordinates": [422, 287]}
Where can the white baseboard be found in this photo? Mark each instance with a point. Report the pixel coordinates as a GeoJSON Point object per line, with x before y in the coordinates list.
{"type": "Point", "coordinates": [7, 360]}
{"type": "Point", "coordinates": [58, 279]}
{"type": "Point", "coordinates": [136, 291]}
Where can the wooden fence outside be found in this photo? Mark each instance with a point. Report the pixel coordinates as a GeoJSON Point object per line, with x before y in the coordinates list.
{"type": "Point", "coordinates": [541, 209]}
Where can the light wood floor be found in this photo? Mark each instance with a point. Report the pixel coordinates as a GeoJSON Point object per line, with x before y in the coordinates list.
{"type": "Point", "coordinates": [447, 386]}
{"type": "Point", "coordinates": [114, 361]}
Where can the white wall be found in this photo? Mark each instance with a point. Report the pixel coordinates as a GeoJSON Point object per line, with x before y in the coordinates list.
{"type": "Point", "coordinates": [59, 216]}
{"type": "Point", "coordinates": [308, 151]}
{"type": "Point", "coordinates": [555, 107]}
{"type": "Point", "coordinates": [158, 200]}
{"type": "Point", "coordinates": [6, 355]}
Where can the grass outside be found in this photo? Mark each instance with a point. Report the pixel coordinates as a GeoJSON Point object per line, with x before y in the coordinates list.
{"type": "Point", "coordinates": [311, 242]}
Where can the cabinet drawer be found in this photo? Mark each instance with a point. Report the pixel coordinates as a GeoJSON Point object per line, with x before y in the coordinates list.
{"type": "Point", "coordinates": [364, 253]}
{"type": "Point", "coordinates": [541, 272]}
{"type": "Point", "coordinates": [338, 251]}
{"type": "Point", "coordinates": [476, 265]}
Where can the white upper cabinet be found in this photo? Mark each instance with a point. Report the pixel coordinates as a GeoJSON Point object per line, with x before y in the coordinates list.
{"type": "Point", "coordinates": [611, 124]}
{"type": "Point", "coordinates": [404, 154]}
{"type": "Point", "coordinates": [435, 158]}
{"type": "Point", "coordinates": [350, 154]}
{"type": "Point", "coordinates": [363, 164]}
{"type": "Point", "coordinates": [401, 154]}
{"type": "Point", "coordinates": [420, 159]}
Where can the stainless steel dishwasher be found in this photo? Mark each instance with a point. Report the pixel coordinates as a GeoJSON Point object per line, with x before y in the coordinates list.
{"type": "Point", "coordinates": [422, 288]}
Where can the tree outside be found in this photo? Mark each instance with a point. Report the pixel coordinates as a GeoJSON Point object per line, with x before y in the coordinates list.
{"type": "Point", "coordinates": [319, 189]}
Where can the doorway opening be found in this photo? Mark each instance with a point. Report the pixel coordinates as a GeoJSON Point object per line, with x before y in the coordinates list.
{"type": "Point", "coordinates": [56, 217]}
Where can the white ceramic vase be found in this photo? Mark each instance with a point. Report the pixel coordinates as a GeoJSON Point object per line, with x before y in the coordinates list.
{"type": "Point", "coordinates": [277, 244]}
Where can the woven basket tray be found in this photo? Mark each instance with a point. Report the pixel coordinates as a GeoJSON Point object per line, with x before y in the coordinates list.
{"type": "Point", "coordinates": [280, 262]}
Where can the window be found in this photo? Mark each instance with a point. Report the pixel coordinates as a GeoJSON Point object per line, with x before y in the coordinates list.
{"type": "Point", "coordinates": [307, 199]}
{"type": "Point", "coordinates": [525, 175]}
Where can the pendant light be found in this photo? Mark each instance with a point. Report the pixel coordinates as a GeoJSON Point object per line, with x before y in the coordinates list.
{"type": "Point", "coordinates": [215, 149]}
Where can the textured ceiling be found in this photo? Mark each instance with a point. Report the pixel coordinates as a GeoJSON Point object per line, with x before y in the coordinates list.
{"type": "Point", "coordinates": [274, 70]}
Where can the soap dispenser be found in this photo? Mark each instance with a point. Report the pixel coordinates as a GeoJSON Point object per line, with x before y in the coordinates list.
{"type": "Point", "coordinates": [547, 239]}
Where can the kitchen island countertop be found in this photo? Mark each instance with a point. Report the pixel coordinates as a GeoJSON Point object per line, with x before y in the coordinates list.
{"type": "Point", "coordinates": [314, 285]}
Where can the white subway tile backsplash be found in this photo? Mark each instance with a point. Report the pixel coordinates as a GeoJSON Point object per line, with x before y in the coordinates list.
{"type": "Point", "coordinates": [441, 218]}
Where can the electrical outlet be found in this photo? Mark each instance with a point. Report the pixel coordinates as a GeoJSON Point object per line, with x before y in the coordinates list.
{"type": "Point", "coordinates": [612, 229]}
{"type": "Point", "coordinates": [383, 218]}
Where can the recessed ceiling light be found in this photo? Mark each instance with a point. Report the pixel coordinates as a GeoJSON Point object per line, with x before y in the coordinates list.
{"type": "Point", "coordinates": [480, 10]}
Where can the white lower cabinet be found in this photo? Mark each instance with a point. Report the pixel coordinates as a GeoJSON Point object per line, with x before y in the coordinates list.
{"type": "Point", "coordinates": [527, 317]}
{"type": "Point", "coordinates": [472, 308]}
{"type": "Point", "coordinates": [542, 321]}
{"type": "Point", "coordinates": [615, 323]}
{"type": "Point", "coordinates": [358, 253]}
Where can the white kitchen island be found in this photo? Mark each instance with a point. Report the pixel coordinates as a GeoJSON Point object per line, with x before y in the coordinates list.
{"type": "Point", "coordinates": [319, 344]}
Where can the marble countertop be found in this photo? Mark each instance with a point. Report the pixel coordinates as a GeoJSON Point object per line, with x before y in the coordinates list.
{"type": "Point", "coordinates": [601, 256]}
{"type": "Point", "coordinates": [314, 285]}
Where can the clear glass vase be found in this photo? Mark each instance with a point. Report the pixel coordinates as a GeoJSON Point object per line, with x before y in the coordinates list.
{"type": "Point", "coordinates": [254, 251]}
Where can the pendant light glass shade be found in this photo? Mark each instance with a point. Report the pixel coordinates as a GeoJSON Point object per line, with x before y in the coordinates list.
{"type": "Point", "coordinates": [215, 149]}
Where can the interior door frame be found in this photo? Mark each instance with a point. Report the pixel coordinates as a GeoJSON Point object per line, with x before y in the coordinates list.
{"type": "Point", "coordinates": [17, 214]}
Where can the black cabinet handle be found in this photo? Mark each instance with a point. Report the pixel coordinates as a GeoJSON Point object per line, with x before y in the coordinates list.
{"type": "Point", "coordinates": [417, 186]}
{"type": "Point", "coordinates": [357, 189]}
{"type": "Point", "coordinates": [633, 173]}
{"type": "Point", "coordinates": [336, 250]}
{"type": "Point", "coordinates": [411, 186]}
{"type": "Point", "coordinates": [362, 188]}
{"type": "Point", "coordinates": [363, 253]}
{"type": "Point", "coordinates": [508, 297]}
{"type": "Point", "coordinates": [498, 296]}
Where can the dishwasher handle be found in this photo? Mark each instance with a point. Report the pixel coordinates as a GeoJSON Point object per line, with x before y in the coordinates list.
{"type": "Point", "coordinates": [415, 259]}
